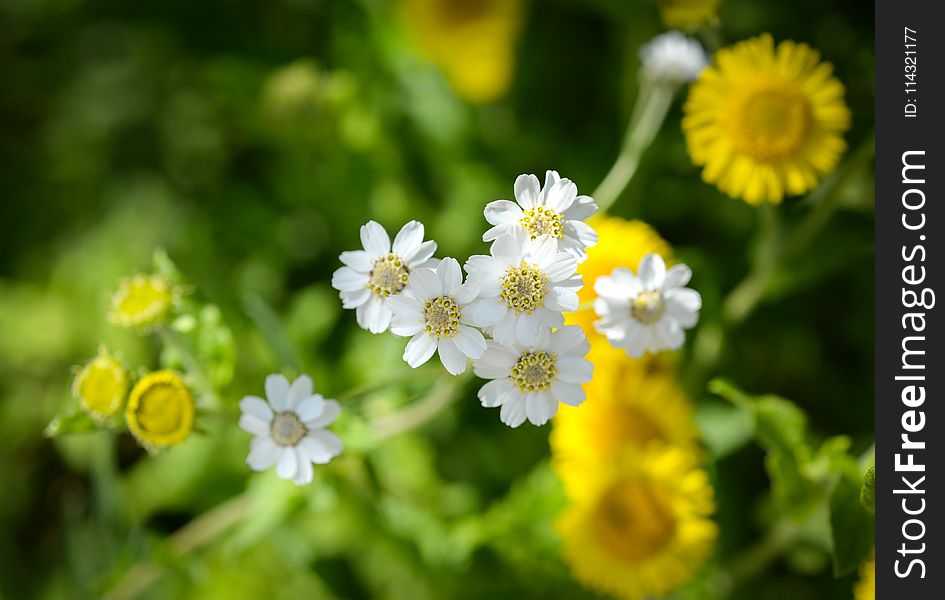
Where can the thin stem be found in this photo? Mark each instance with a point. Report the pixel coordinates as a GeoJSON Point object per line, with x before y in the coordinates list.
{"type": "Point", "coordinates": [420, 413]}
{"type": "Point", "coordinates": [649, 113]}
{"type": "Point", "coordinates": [174, 339]}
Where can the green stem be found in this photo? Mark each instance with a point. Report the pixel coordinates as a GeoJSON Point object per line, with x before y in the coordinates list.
{"type": "Point", "coordinates": [176, 341]}
{"type": "Point", "coordinates": [648, 115]}
{"type": "Point", "coordinates": [420, 413]}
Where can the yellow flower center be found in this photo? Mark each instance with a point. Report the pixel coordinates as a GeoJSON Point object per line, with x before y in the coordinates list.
{"type": "Point", "coordinates": [769, 120]}
{"type": "Point", "coordinates": [524, 288]}
{"type": "Point", "coordinates": [160, 409]}
{"type": "Point", "coordinates": [634, 520]}
{"type": "Point", "coordinates": [287, 429]}
{"type": "Point", "coordinates": [389, 276]}
{"type": "Point", "coordinates": [535, 371]}
{"type": "Point", "coordinates": [540, 221]}
{"type": "Point", "coordinates": [442, 316]}
{"type": "Point", "coordinates": [142, 300]}
{"type": "Point", "coordinates": [101, 386]}
{"type": "Point", "coordinates": [648, 307]}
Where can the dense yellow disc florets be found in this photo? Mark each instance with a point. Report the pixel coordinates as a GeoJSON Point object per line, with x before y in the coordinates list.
{"type": "Point", "coordinates": [441, 316]}
{"type": "Point", "coordinates": [648, 307]}
{"type": "Point", "coordinates": [101, 386]}
{"type": "Point", "coordinates": [143, 301]}
{"type": "Point", "coordinates": [541, 220]}
{"type": "Point", "coordinates": [524, 288]}
{"type": "Point", "coordinates": [389, 276]}
{"type": "Point", "coordinates": [535, 371]}
{"type": "Point", "coordinates": [160, 410]}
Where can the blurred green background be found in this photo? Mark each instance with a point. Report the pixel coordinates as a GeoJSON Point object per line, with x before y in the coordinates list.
{"type": "Point", "coordinates": [250, 140]}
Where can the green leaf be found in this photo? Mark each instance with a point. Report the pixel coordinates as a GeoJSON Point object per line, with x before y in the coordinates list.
{"type": "Point", "coordinates": [76, 422]}
{"type": "Point", "coordinates": [868, 491]}
{"type": "Point", "coordinates": [851, 526]}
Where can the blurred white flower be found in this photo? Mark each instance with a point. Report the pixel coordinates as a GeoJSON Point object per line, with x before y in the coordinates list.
{"type": "Point", "coordinates": [432, 312]}
{"type": "Point", "coordinates": [290, 428]}
{"type": "Point", "coordinates": [529, 382]}
{"type": "Point", "coordinates": [672, 58]}
{"type": "Point", "coordinates": [379, 272]}
{"type": "Point", "coordinates": [647, 311]}
{"type": "Point", "coordinates": [524, 286]}
{"type": "Point", "coordinates": [554, 210]}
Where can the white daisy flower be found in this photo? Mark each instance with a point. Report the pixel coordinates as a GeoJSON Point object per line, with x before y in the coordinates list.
{"type": "Point", "coordinates": [673, 59]}
{"type": "Point", "coordinates": [554, 210]}
{"type": "Point", "coordinates": [524, 285]}
{"type": "Point", "coordinates": [649, 311]}
{"type": "Point", "coordinates": [432, 312]}
{"type": "Point", "coordinates": [380, 271]}
{"type": "Point", "coordinates": [529, 382]}
{"type": "Point", "coordinates": [290, 428]}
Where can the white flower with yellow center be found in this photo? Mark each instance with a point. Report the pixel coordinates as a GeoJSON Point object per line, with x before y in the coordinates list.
{"type": "Point", "coordinates": [672, 59]}
{"type": "Point", "coordinates": [372, 276]}
{"type": "Point", "coordinates": [432, 312]}
{"type": "Point", "coordinates": [647, 311]}
{"type": "Point", "coordinates": [529, 382]}
{"type": "Point", "coordinates": [554, 210]}
{"type": "Point", "coordinates": [289, 426]}
{"type": "Point", "coordinates": [525, 285]}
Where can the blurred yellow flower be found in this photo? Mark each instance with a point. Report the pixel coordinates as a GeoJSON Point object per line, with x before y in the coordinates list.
{"type": "Point", "coordinates": [471, 41]}
{"type": "Point", "coordinates": [865, 588]}
{"type": "Point", "coordinates": [689, 14]}
{"type": "Point", "coordinates": [142, 301]}
{"type": "Point", "coordinates": [101, 385]}
{"type": "Point", "coordinates": [640, 526]}
{"type": "Point", "coordinates": [630, 404]}
{"type": "Point", "coordinates": [764, 120]}
{"type": "Point", "coordinates": [160, 410]}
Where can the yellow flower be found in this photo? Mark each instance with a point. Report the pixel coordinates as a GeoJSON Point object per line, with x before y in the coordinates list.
{"type": "Point", "coordinates": [630, 404]}
{"type": "Point", "coordinates": [766, 121]}
{"type": "Point", "coordinates": [143, 301]}
{"type": "Point", "coordinates": [640, 526]}
{"type": "Point", "coordinates": [865, 588]}
{"type": "Point", "coordinates": [689, 14]}
{"type": "Point", "coordinates": [160, 410]}
{"type": "Point", "coordinates": [101, 385]}
{"type": "Point", "coordinates": [471, 41]}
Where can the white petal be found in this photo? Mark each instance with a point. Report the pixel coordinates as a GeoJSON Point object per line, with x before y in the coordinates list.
{"type": "Point", "coordinates": [561, 266]}
{"type": "Point", "coordinates": [257, 407]}
{"type": "Point", "coordinates": [583, 207]}
{"type": "Point", "coordinates": [485, 312]}
{"type": "Point", "coordinates": [288, 463]}
{"type": "Point", "coordinates": [494, 392]}
{"type": "Point", "coordinates": [346, 279]}
{"type": "Point", "coordinates": [508, 248]}
{"type": "Point", "coordinates": [425, 284]}
{"type": "Point", "coordinates": [328, 440]}
{"type": "Point", "coordinates": [504, 332]}
{"type": "Point", "coordinates": [502, 212]}
{"type": "Point", "coordinates": [551, 178]}
{"type": "Point", "coordinates": [671, 334]}
{"type": "Point", "coordinates": [562, 299]}
{"type": "Point", "coordinates": [470, 342]}
{"type": "Point", "coordinates": [569, 340]}
{"type": "Point", "coordinates": [375, 240]}
{"type": "Point", "coordinates": [404, 304]}
{"type": "Point", "coordinates": [512, 412]}
{"type": "Point", "coordinates": [572, 369]}
{"type": "Point", "coordinates": [496, 362]}
{"type": "Point", "coordinates": [254, 425]}
{"type": "Point", "coordinates": [466, 293]}
{"type": "Point", "coordinates": [300, 389]}
{"type": "Point", "coordinates": [451, 276]}
{"type": "Point", "coordinates": [419, 349]}
{"type": "Point", "coordinates": [355, 299]}
{"type": "Point", "coordinates": [310, 407]}
{"type": "Point", "coordinates": [315, 451]}
{"type": "Point", "coordinates": [330, 412]}
{"type": "Point", "coordinates": [582, 232]}
{"type": "Point", "coordinates": [359, 260]}
{"type": "Point", "coordinates": [527, 328]}
{"type": "Point", "coordinates": [375, 317]}
{"type": "Point", "coordinates": [536, 409]}
{"type": "Point", "coordinates": [683, 298]}
{"type": "Point", "coordinates": [407, 326]}
{"type": "Point", "coordinates": [263, 454]}
{"type": "Point", "coordinates": [277, 390]}
{"type": "Point", "coordinates": [652, 271]}
{"type": "Point", "coordinates": [453, 360]}
{"type": "Point", "coordinates": [677, 276]}
{"type": "Point", "coordinates": [561, 195]}
{"type": "Point", "coordinates": [542, 251]}
{"type": "Point", "coordinates": [550, 319]}
{"type": "Point", "coordinates": [408, 238]}
{"type": "Point", "coordinates": [486, 272]}
{"type": "Point", "coordinates": [527, 189]}
{"type": "Point", "coordinates": [417, 257]}
{"type": "Point", "coordinates": [493, 232]}
{"type": "Point", "coordinates": [567, 393]}
{"type": "Point", "coordinates": [305, 473]}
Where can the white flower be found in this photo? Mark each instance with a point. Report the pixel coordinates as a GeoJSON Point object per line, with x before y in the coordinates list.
{"type": "Point", "coordinates": [432, 312]}
{"type": "Point", "coordinates": [555, 210]}
{"type": "Point", "coordinates": [290, 428]}
{"type": "Point", "coordinates": [648, 311]}
{"type": "Point", "coordinates": [672, 58]}
{"type": "Point", "coordinates": [379, 272]}
{"type": "Point", "coordinates": [529, 382]}
{"type": "Point", "coordinates": [524, 286]}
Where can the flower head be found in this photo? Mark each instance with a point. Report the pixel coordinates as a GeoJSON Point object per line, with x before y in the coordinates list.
{"type": "Point", "coordinates": [647, 311]}
{"type": "Point", "coordinates": [433, 312]}
{"type": "Point", "coordinates": [639, 525]}
{"type": "Point", "coordinates": [529, 382]}
{"type": "Point", "coordinates": [766, 121]}
{"type": "Point", "coordinates": [143, 301]}
{"type": "Point", "coordinates": [554, 210]}
{"type": "Point", "coordinates": [289, 428]}
{"type": "Point", "coordinates": [160, 410]}
{"type": "Point", "coordinates": [672, 59]}
{"type": "Point", "coordinates": [524, 285]}
{"type": "Point", "coordinates": [372, 275]}
{"type": "Point", "coordinates": [101, 385]}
